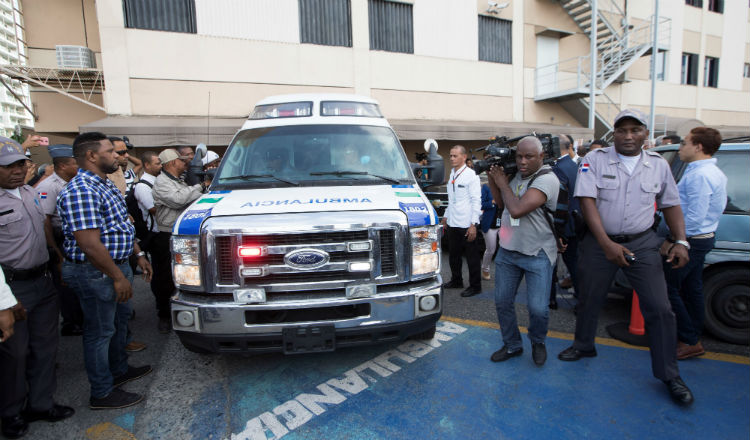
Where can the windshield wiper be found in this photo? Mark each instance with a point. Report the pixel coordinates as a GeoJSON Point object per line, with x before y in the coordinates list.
{"type": "Point", "coordinates": [255, 176]}
{"type": "Point", "coordinates": [358, 173]}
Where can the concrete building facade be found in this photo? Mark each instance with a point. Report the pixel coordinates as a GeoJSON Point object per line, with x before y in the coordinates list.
{"type": "Point", "coordinates": [188, 71]}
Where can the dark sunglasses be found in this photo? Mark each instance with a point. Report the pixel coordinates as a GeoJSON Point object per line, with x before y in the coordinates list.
{"type": "Point", "coordinates": [122, 152]}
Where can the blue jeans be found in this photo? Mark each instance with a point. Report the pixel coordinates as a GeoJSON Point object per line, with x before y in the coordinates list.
{"type": "Point", "coordinates": [685, 290]}
{"type": "Point", "coordinates": [510, 267]}
{"type": "Point", "coordinates": [105, 324]}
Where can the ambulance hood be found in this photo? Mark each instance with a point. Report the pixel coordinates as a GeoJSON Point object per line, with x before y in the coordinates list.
{"type": "Point", "coordinates": [406, 198]}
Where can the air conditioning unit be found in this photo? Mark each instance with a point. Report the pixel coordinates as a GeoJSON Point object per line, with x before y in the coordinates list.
{"type": "Point", "coordinates": [75, 57]}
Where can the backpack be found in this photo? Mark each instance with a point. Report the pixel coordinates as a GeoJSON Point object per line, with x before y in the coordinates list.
{"type": "Point", "coordinates": [558, 218]}
{"type": "Point", "coordinates": [142, 232]}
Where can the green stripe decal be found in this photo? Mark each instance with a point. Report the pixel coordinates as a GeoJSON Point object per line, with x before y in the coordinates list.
{"type": "Point", "coordinates": [210, 200]}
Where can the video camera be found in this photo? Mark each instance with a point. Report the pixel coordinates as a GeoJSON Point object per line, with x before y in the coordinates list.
{"type": "Point", "coordinates": [503, 154]}
{"type": "Point", "coordinates": [195, 173]}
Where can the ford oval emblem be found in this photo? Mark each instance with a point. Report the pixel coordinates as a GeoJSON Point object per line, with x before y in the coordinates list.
{"type": "Point", "coordinates": [306, 258]}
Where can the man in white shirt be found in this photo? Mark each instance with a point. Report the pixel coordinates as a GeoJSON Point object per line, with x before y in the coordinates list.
{"type": "Point", "coordinates": [462, 219]}
{"type": "Point", "coordinates": [144, 193]}
{"type": "Point", "coordinates": [7, 301]}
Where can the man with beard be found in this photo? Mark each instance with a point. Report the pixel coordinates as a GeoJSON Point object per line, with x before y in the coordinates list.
{"type": "Point", "coordinates": [99, 238]}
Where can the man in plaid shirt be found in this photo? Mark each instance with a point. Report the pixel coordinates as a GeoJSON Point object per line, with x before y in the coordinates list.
{"type": "Point", "coordinates": [99, 238]}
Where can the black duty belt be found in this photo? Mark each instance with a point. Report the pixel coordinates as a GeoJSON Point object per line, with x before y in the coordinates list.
{"type": "Point", "coordinates": [24, 274]}
{"type": "Point", "coordinates": [117, 261]}
{"type": "Point", "coordinates": [627, 238]}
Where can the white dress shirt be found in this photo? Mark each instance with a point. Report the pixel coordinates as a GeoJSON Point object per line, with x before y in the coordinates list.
{"type": "Point", "coordinates": [145, 197]}
{"type": "Point", "coordinates": [464, 198]}
{"type": "Point", "coordinates": [7, 300]}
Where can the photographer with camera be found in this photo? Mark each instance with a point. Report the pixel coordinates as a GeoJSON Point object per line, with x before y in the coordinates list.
{"type": "Point", "coordinates": [171, 196]}
{"type": "Point", "coordinates": [461, 219]}
{"type": "Point", "coordinates": [527, 246]}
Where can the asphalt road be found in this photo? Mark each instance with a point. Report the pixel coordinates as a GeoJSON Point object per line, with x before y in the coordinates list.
{"type": "Point", "coordinates": [182, 379]}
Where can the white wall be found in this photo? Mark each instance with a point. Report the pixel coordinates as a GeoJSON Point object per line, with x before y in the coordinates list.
{"type": "Point", "coordinates": [733, 45]}
{"type": "Point", "coordinates": [269, 20]}
{"type": "Point", "coordinates": [446, 28]}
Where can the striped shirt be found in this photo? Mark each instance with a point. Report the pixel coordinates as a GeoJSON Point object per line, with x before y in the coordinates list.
{"type": "Point", "coordinates": [90, 202]}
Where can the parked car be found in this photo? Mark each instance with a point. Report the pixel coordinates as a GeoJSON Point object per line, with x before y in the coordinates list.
{"type": "Point", "coordinates": [726, 274]}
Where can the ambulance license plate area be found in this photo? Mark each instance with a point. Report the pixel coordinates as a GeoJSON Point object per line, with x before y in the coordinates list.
{"type": "Point", "coordinates": [311, 339]}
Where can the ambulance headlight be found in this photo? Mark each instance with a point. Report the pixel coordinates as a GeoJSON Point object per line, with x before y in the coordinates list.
{"type": "Point", "coordinates": [186, 267]}
{"type": "Point", "coordinates": [425, 250]}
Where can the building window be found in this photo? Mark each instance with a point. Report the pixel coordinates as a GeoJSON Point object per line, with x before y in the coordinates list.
{"type": "Point", "coordinates": [689, 69]}
{"type": "Point", "coordinates": [391, 26]}
{"type": "Point", "coordinates": [746, 70]}
{"type": "Point", "coordinates": [327, 22]}
{"type": "Point", "coordinates": [494, 40]}
{"type": "Point", "coordinates": [696, 3]}
{"type": "Point", "coordinates": [716, 6]}
{"type": "Point", "coordinates": [160, 15]}
{"type": "Point", "coordinates": [711, 72]}
{"type": "Point", "coordinates": [661, 66]}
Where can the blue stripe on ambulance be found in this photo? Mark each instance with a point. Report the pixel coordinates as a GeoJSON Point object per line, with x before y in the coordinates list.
{"type": "Point", "coordinates": [190, 222]}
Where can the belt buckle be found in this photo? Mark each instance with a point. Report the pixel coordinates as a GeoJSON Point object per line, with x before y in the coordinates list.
{"type": "Point", "coordinates": [619, 238]}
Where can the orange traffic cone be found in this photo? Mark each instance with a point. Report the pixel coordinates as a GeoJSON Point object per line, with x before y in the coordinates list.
{"type": "Point", "coordinates": [636, 326]}
{"type": "Point", "coordinates": [633, 333]}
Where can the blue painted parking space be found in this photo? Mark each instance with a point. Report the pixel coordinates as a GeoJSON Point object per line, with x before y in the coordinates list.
{"type": "Point", "coordinates": [446, 388]}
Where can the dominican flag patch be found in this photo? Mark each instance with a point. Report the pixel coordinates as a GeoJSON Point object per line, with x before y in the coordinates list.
{"type": "Point", "coordinates": [584, 167]}
{"type": "Point", "coordinates": [42, 195]}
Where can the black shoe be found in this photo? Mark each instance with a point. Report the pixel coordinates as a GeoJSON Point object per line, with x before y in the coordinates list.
{"type": "Point", "coordinates": [133, 373]}
{"type": "Point", "coordinates": [538, 353]}
{"type": "Point", "coordinates": [165, 325]}
{"type": "Point", "coordinates": [54, 414]}
{"type": "Point", "coordinates": [679, 392]}
{"type": "Point", "coordinates": [504, 355]}
{"type": "Point", "coordinates": [116, 399]}
{"type": "Point", "coordinates": [471, 291]}
{"type": "Point", "coordinates": [453, 284]}
{"type": "Point", "coordinates": [571, 354]}
{"type": "Point", "coordinates": [14, 426]}
{"type": "Point", "coordinates": [71, 330]}
{"type": "Point", "coordinates": [553, 305]}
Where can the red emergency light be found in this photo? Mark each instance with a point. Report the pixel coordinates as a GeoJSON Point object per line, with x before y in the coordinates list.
{"type": "Point", "coordinates": [250, 251]}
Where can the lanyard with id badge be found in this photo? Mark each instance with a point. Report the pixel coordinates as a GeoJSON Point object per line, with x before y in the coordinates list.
{"type": "Point", "coordinates": [516, 221]}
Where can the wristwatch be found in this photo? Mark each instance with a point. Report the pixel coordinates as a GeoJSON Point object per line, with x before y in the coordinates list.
{"type": "Point", "coordinates": [683, 242]}
{"type": "Point", "coordinates": [140, 254]}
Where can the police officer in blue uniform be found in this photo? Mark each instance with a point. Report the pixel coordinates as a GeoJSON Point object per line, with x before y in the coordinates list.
{"type": "Point", "coordinates": [617, 188]}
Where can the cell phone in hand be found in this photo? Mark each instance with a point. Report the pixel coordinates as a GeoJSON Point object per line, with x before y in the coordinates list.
{"type": "Point", "coordinates": [44, 141]}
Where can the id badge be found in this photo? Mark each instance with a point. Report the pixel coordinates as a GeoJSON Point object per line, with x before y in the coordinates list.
{"type": "Point", "coordinates": [515, 221]}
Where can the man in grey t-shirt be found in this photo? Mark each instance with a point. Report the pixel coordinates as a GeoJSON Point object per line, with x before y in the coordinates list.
{"type": "Point", "coordinates": [527, 247]}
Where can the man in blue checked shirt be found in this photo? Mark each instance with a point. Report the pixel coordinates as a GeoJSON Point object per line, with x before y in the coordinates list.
{"type": "Point", "coordinates": [703, 196]}
{"type": "Point", "coordinates": [99, 238]}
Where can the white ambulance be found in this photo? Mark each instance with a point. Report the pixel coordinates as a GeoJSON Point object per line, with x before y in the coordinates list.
{"type": "Point", "coordinates": [314, 236]}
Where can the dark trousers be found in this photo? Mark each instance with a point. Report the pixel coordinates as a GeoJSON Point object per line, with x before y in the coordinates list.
{"type": "Point", "coordinates": [27, 359]}
{"type": "Point", "coordinates": [162, 283]}
{"type": "Point", "coordinates": [570, 257]}
{"type": "Point", "coordinates": [685, 288]}
{"type": "Point", "coordinates": [458, 246]}
{"type": "Point", "coordinates": [595, 275]}
{"type": "Point", "coordinates": [70, 307]}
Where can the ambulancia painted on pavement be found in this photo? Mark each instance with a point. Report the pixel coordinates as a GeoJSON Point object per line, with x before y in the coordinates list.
{"type": "Point", "coordinates": [315, 235]}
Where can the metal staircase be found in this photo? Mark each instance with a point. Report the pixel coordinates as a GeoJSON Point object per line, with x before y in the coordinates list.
{"type": "Point", "coordinates": [619, 45]}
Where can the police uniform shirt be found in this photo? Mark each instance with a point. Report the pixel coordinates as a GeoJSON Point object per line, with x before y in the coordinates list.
{"type": "Point", "coordinates": [464, 198]}
{"type": "Point", "coordinates": [48, 190]}
{"type": "Point", "coordinates": [22, 229]}
{"type": "Point", "coordinates": [626, 201]}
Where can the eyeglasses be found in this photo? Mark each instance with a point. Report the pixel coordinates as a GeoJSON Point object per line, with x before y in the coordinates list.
{"type": "Point", "coordinates": [122, 152]}
{"type": "Point", "coordinates": [683, 143]}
